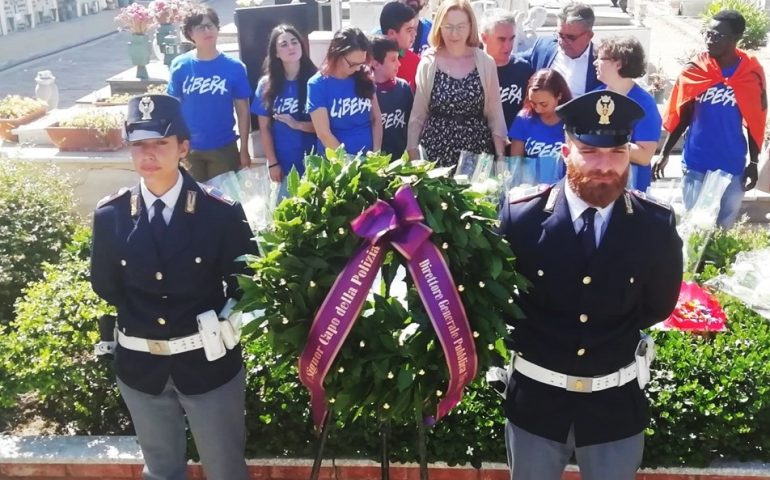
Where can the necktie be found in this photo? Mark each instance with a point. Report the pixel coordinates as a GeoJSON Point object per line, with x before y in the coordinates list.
{"type": "Point", "coordinates": [158, 224]}
{"type": "Point", "coordinates": [587, 234]}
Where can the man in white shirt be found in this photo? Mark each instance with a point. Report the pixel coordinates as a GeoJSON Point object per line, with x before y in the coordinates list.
{"type": "Point", "coordinates": [571, 52]}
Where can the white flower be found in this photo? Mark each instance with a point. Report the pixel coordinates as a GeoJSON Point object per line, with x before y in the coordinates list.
{"type": "Point", "coordinates": [482, 284]}
{"type": "Point", "coordinates": [390, 375]}
{"type": "Point", "coordinates": [460, 288]}
{"type": "Point", "coordinates": [386, 406]}
{"type": "Point", "coordinates": [439, 393]}
{"type": "Point", "coordinates": [341, 369]}
{"type": "Point", "coordinates": [362, 344]}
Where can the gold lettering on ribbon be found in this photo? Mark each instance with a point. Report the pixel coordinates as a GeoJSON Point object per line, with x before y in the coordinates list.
{"type": "Point", "coordinates": [342, 305]}
{"type": "Point", "coordinates": [446, 314]}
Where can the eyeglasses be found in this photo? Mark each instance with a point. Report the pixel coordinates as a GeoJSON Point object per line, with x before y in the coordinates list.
{"type": "Point", "coordinates": [204, 27]}
{"type": "Point", "coordinates": [459, 28]}
{"type": "Point", "coordinates": [354, 65]}
{"type": "Point", "coordinates": [570, 38]}
{"type": "Point", "coordinates": [714, 35]}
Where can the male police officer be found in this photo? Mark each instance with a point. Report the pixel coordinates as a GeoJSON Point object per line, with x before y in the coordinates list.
{"type": "Point", "coordinates": [604, 263]}
{"type": "Point", "coordinates": [161, 252]}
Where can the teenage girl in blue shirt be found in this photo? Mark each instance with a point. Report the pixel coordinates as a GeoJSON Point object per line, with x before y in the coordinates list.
{"type": "Point", "coordinates": [285, 128]}
{"type": "Point", "coordinates": [341, 99]}
{"type": "Point", "coordinates": [537, 132]}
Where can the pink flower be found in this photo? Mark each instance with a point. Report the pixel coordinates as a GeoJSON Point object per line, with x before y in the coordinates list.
{"type": "Point", "coordinates": [696, 311]}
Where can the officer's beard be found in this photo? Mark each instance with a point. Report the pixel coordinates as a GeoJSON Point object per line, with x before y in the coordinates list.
{"type": "Point", "coordinates": [597, 188]}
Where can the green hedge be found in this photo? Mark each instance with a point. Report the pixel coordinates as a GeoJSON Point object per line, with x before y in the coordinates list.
{"type": "Point", "coordinates": [709, 397]}
{"type": "Point", "coordinates": [36, 220]}
{"type": "Point", "coordinates": [47, 350]}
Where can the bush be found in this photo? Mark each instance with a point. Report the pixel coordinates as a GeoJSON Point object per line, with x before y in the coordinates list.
{"type": "Point", "coordinates": [757, 21]}
{"type": "Point", "coordinates": [710, 395]}
{"type": "Point", "coordinates": [48, 350]}
{"type": "Point", "coordinates": [36, 220]}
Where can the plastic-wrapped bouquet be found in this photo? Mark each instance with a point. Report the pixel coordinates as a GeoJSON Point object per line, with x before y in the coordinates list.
{"type": "Point", "coordinates": [250, 187]}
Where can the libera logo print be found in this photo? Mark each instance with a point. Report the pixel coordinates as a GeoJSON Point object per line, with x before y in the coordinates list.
{"type": "Point", "coordinates": [716, 95]}
{"type": "Point", "coordinates": [395, 119]}
{"type": "Point", "coordinates": [213, 85]}
{"type": "Point", "coordinates": [342, 107]}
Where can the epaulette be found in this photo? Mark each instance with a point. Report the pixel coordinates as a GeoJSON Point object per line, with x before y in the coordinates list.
{"type": "Point", "coordinates": [517, 195]}
{"type": "Point", "coordinates": [217, 194]}
{"type": "Point", "coordinates": [109, 198]}
{"type": "Point", "coordinates": [648, 199]}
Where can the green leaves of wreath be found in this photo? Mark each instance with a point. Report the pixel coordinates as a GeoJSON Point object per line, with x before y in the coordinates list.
{"type": "Point", "coordinates": [392, 361]}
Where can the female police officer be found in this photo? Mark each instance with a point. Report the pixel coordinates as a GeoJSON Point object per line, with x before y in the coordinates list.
{"type": "Point", "coordinates": [161, 252]}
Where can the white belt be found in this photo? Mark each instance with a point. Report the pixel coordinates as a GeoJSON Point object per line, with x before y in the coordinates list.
{"type": "Point", "coordinates": [161, 347]}
{"type": "Point", "coordinates": [572, 383]}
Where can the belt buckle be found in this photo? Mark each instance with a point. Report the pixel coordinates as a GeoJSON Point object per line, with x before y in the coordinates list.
{"type": "Point", "coordinates": [159, 347]}
{"type": "Point", "coordinates": [579, 384]}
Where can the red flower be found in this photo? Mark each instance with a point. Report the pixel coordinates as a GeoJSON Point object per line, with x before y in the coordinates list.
{"type": "Point", "coordinates": [696, 311]}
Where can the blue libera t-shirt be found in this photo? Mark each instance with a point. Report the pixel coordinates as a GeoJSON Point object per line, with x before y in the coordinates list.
{"type": "Point", "coordinates": [647, 129]}
{"type": "Point", "coordinates": [207, 90]}
{"type": "Point", "coordinates": [290, 145]}
{"type": "Point", "coordinates": [715, 138]}
{"type": "Point", "coordinates": [541, 141]}
{"type": "Point", "coordinates": [350, 118]}
{"type": "Point", "coordinates": [395, 100]}
{"type": "Point", "coordinates": [513, 78]}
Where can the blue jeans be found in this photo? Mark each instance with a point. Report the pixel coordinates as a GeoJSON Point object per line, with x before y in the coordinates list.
{"type": "Point", "coordinates": [730, 206]}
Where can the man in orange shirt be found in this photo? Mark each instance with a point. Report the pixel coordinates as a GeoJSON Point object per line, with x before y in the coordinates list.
{"type": "Point", "coordinates": [399, 22]}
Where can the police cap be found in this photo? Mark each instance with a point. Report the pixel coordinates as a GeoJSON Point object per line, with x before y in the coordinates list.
{"type": "Point", "coordinates": [154, 116]}
{"type": "Point", "coordinates": [600, 118]}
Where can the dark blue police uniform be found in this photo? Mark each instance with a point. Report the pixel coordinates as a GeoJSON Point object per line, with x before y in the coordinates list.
{"type": "Point", "coordinates": [160, 283]}
{"type": "Point", "coordinates": [583, 312]}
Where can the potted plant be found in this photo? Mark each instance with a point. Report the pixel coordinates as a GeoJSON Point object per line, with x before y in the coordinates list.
{"type": "Point", "coordinates": [15, 111]}
{"type": "Point", "coordinates": [137, 19]}
{"type": "Point", "coordinates": [657, 82]}
{"type": "Point", "coordinates": [91, 130]}
{"type": "Point", "coordinates": [123, 98]}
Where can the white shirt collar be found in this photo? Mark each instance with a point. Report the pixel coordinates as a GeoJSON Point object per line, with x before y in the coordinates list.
{"type": "Point", "coordinates": [574, 70]}
{"type": "Point", "coordinates": [169, 198]}
{"type": "Point", "coordinates": [577, 206]}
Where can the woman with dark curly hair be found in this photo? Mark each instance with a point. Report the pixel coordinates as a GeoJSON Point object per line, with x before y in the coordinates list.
{"type": "Point", "coordinates": [341, 99]}
{"type": "Point", "coordinates": [285, 128]}
{"type": "Point", "coordinates": [619, 61]}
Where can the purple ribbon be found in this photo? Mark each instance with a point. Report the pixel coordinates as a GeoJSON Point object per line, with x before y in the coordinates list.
{"type": "Point", "coordinates": [398, 223]}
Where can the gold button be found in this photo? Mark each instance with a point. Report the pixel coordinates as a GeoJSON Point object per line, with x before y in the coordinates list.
{"type": "Point", "coordinates": [578, 385]}
{"type": "Point", "coordinates": [158, 276]}
{"type": "Point", "coordinates": [586, 280]}
{"type": "Point", "coordinates": [581, 352]}
{"type": "Point", "coordinates": [631, 280]}
{"type": "Point", "coordinates": [162, 321]}
{"type": "Point", "coordinates": [123, 262]}
{"type": "Point", "coordinates": [540, 273]}
{"type": "Point", "coordinates": [198, 260]}
{"type": "Point", "coordinates": [583, 318]}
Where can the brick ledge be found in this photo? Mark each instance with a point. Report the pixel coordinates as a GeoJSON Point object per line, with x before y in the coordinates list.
{"type": "Point", "coordinates": [111, 458]}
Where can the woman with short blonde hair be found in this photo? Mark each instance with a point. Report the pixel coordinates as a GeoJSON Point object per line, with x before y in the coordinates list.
{"type": "Point", "coordinates": [457, 102]}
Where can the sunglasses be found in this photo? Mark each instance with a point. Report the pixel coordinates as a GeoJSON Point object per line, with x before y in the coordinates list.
{"type": "Point", "coordinates": [204, 27]}
{"type": "Point", "coordinates": [570, 38]}
{"type": "Point", "coordinates": [714, 35]}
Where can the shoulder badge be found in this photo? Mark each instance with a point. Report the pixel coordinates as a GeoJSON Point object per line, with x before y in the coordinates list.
{"type": "Point", "coordinates": [217, 194]}
{"type": "Point", "coordinates": [646, 198]}
{"type": "Point", "coordinates": [518, 194]}
{"type": "Point", "coordinates": [109, 198]}
{"type": "Point", "coordinates": [629, 205]}
{"type": "Point", "coordinates": [190, 201]}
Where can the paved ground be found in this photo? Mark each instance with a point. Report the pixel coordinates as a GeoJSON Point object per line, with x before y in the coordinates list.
{"type": "Point", "coordinates": [99, 52]}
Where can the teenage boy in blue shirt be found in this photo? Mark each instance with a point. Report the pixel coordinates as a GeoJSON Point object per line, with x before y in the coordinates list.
{"type": "Point", "coordinates": [209, 83]}
{"type": "Point", "coordinates": [393, 94]}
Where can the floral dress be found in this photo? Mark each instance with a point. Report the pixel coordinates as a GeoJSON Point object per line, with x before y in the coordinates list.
{"type": "Point", "coordinates": [456, 120]}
